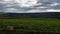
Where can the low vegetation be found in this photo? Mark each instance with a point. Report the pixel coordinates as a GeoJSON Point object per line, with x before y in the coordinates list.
{"type": "Point", "coordinates": [33, 24]}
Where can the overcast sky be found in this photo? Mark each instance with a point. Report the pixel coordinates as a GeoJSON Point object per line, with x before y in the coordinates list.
{"type": "Point", "coordinates": [29, 6]}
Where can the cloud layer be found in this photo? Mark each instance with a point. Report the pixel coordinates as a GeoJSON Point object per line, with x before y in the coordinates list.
{"type": "Point", "coordinates": [29, 6]}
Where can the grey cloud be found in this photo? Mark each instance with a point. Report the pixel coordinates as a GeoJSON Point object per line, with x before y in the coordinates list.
{"type": "Point", "coordinates": [45, 3]}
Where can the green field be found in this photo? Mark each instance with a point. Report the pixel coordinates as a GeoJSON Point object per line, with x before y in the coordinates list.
{"type": "Point", "coordinates": [33, 24]}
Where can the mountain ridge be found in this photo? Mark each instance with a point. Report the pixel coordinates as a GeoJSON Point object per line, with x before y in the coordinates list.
{"type": "Point", "coordinates": [33, 15]}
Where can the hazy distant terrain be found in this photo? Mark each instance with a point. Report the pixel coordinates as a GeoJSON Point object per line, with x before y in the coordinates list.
{"type": "Point", "coordinates": [32, 15]}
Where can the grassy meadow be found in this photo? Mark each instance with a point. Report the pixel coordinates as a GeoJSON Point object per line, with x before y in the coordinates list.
{"type": "Point", "coordinates": [33, 24]}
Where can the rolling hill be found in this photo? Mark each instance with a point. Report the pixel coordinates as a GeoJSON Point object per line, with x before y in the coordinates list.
{"type": "Point", "coordinates": [33, 15]}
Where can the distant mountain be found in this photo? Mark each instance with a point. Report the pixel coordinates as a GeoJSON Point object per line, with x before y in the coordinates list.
{"type": "Point", "coordinates": [33, 15]}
